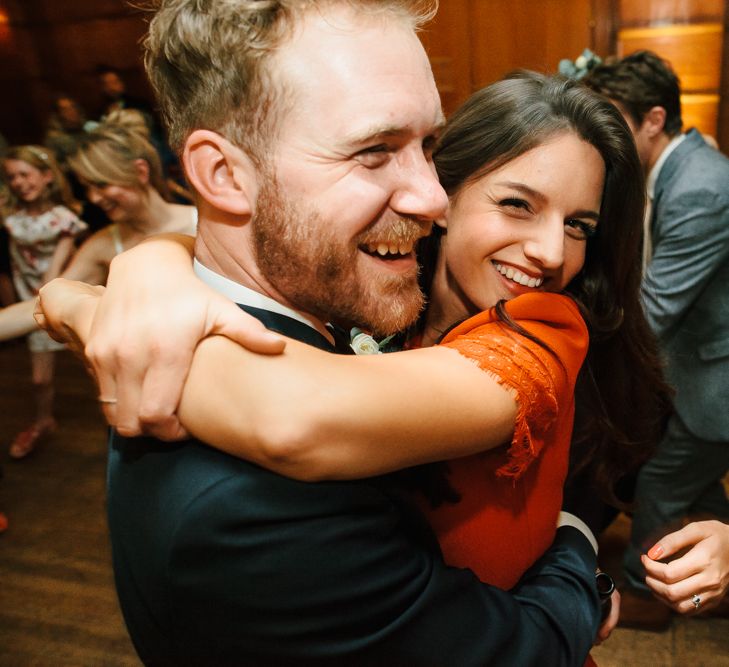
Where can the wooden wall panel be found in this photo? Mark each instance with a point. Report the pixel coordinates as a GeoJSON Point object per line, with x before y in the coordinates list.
{"type": "Point", "coordinates": [694, 51]}
{"type": "Point", "coordinates": [47, 46]}
{"type": "Point", "coordinates": [448, 43]}
{"type": "Point", "coordinates": [76, 11]}
{"type": "Point", "coordinates": [690, 34]}
{"type": "Point", "coordinates": [50, 47]}
{"type": "Point", "coordinates": [522, 33]}
{"type": "Point", "coordinates": [700, 111]}
{"type": "Point", "coordinates": [485, 40]}
{"type": "Point", "coordinates": [655, 12]}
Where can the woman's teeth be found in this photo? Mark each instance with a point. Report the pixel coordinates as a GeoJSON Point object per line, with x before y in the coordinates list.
{"type": "Point", "coordinates": [517, 276]}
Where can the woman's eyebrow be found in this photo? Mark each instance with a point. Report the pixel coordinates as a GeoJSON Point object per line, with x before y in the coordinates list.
{"type": "Point", "coordinates": [535, 194]}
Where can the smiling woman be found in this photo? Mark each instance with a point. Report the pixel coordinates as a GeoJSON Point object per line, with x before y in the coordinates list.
{"type": "Point", "coordinates": [522, 227]}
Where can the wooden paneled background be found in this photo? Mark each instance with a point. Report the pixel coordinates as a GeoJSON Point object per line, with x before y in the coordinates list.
{"type": "Point", "coordinates": [48, 46]}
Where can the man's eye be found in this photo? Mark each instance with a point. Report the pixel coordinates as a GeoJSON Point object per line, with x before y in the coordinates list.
{"type": "Point", "coordinates": [429, 144]}
{"type": "Point", "coordinates": [373, 156]}
{"type": "Point", "coordinates": [579, 229]}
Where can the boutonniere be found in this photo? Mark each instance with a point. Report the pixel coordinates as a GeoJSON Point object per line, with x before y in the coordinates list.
{"type": "Point", "coordinates": [362, 343]}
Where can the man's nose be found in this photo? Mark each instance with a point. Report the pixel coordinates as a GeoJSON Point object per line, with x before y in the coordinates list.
{"type": "Point", "coordinates": [419, 194]}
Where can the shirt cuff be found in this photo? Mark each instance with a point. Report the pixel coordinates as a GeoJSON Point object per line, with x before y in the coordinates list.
{"type": "Point", "coordinates": [567, 519]}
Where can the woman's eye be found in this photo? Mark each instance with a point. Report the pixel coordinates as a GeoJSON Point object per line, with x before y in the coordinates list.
{"type": "Point", "coordinates": [514, 203]}
{"type": "Point", "coordinates": [579, 229]}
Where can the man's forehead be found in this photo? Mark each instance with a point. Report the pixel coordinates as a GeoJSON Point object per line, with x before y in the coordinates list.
{"type": "Point", "coordinates": [369, 77]}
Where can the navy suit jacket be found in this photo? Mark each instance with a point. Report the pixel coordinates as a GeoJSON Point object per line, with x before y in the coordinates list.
{"type": "Point", "coordinates": [220, 562]}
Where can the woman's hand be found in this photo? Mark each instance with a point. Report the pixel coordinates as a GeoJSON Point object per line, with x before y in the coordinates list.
{"type": "Point", "coordinates": [702, 571]}
{"type": "Point", "coordinates": [65, 309]}
{"type": "Point", "coordinates": [145, 329]}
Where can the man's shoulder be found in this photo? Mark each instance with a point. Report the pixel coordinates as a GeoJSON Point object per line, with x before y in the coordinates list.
{"type": "Point", "coordinates": [696, 166]}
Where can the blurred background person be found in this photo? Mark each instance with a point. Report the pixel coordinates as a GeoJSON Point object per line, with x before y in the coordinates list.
{"type": "Point", "coordinates": [41, 224]}
{"type": "Point", "coordinates": [685, 297]}
{"type": "Point", "coordinates": [120, 169]}
{"type": "Point", "coordinates": [67, 126]}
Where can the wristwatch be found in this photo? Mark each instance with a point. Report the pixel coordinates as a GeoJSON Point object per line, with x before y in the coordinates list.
{"type": "Point", "coordinates": [605, 588]}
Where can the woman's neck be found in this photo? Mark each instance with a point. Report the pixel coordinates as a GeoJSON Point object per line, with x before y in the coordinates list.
{"type": "Point", "coordinates": [153, 216]}
{"type": "Point", "coordinates": [447, 304]}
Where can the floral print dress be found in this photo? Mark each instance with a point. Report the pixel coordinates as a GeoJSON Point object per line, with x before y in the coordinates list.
{"type": "Point", "coordinates": [33, 240]}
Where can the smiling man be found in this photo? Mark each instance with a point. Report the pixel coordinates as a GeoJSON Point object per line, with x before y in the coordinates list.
{"type": "Point", "coordinates": [306, 130]}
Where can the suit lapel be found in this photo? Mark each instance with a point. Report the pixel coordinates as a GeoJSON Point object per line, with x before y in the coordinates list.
{"type": "Point", "coordinates": [290, 327]}
{"type": "Point", "coordinates": [692, 141]}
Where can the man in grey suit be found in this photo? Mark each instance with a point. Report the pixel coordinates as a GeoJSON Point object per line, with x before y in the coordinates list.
{"type": "Point", "coordinates": [686, 298]}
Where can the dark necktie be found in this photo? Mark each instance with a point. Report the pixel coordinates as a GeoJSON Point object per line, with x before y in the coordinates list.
{"type": "Point", "coordinates": [341, 339]}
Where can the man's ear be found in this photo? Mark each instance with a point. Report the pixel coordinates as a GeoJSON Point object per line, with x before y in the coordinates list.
{"type": "Point", "coordinates": [654, 121]}
{"type": "Point", "coordinates": [221, 173]}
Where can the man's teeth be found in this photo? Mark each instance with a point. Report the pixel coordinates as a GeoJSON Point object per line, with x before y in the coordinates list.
{"type": "Point", "coordinates": [517, 276]}
{"type": "Point", "coordinates": [383, 249]}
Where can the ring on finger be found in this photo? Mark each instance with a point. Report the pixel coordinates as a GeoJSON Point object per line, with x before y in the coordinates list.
{"type": "Point", "coordinates": [107, 401]}
{"type": "Point", "coordinates": [696, 601]}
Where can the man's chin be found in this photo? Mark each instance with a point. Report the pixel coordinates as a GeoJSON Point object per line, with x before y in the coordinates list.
{"type": "Point", "coordinates": [392, 309]}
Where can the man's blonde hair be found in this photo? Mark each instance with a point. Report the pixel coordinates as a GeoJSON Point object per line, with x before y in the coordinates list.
{"type": "Point", "coordinates": [207, 61]}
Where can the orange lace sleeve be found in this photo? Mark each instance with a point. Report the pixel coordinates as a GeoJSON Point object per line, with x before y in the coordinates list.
{"type": "Point", "coordinates": [542, 380]}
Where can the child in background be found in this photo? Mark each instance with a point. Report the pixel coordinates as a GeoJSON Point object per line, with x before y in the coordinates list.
{"type": "Point", "coordinates": [41, 226]}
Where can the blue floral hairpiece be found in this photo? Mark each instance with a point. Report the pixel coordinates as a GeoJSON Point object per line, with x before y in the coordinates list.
{"type": "Point", "coordinates": [581, 65]}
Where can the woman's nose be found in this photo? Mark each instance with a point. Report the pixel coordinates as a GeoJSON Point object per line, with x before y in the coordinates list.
{"type": "Point", "coordinates": [545, 245]}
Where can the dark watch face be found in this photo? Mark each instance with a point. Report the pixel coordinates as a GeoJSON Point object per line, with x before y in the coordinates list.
{"type": "Point", "coordinates": [605, 584]}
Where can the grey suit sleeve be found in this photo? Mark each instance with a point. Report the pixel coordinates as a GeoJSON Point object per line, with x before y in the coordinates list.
{"type": "Point", "coordinates": [322, 588]}
{"type": "Point", "coordinates": [693, 241]}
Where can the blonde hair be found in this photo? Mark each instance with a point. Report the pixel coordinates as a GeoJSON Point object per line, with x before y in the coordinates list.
{"type": "Point", "coordinates": [207, 61]}
{"type": "Point", "coordinates": [58, 191]}
{"type": "Point", "coordinates": [107, 154]}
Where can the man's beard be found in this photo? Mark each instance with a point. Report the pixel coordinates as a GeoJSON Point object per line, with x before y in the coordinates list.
{"type": "Point", "coordinates": [303, 258]}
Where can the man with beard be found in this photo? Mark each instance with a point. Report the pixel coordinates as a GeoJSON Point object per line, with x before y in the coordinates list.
{"type": "Point", "coordinates": [313, 188]}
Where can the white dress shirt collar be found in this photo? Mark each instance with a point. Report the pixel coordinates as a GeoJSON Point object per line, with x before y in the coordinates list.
{"type": "Point", "coordinates": [650, 184]}
{"type": "Point", "coordinates": [244, 295]}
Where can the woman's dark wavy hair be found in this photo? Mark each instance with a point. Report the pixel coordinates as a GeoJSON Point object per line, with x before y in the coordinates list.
{"type": "Point", "coordinates": [621, 397]}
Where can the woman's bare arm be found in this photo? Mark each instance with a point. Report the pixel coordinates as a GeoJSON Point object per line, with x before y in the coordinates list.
{"type": "Point", "coordinates": [62, 253]}
{"type": "Point", "coordinates": [17, 319]}
{"type": "Point", "coordinates": [89, 264]}
{"type": "Point", "coordinates": [312, 415]}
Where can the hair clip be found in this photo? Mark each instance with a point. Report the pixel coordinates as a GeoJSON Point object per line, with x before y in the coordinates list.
{"type": "Point", "coordinates": [581, 65]}
{"type": "Point", "coordinates": [42, 155]}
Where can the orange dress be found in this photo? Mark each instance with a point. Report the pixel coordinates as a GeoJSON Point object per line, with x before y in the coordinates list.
{"type": "Point", "coordinates": [511, 496]}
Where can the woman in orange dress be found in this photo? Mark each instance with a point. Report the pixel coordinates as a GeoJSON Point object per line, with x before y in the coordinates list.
{"type": "Point", "coordinates": [540, 246]}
